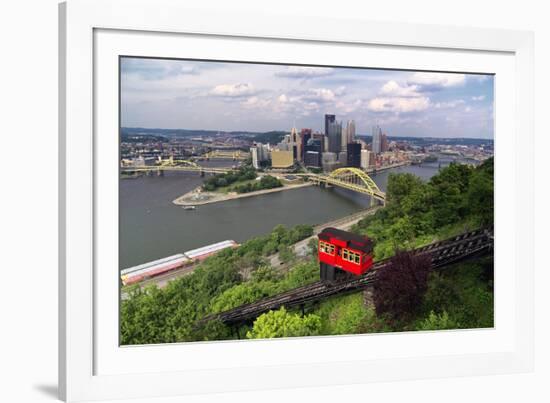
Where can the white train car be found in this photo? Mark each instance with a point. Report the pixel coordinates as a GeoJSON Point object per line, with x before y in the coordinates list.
{"type": "Point", "coordinates": [143, 271]}
{"type": "Point", "coordinates": [209, 250]}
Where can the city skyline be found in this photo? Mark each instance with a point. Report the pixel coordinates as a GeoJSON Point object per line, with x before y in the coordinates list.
{"type": "Point", "coordinates": [227, 96]}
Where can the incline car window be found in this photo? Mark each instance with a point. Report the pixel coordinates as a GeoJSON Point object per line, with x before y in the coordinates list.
{"type": "Point", "coordinates": [326, 247]}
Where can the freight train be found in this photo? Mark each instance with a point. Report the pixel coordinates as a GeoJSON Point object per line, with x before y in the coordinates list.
{"type": "Point", "coordinates": [343, 253]}
{"type": "Point", "coordinates": [161, 266]}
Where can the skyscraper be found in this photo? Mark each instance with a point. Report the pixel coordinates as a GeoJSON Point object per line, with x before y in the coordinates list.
{"type": "Point", "coordinates": [376, 139]}
{"type": "Point", "coordinates": [354, 155]}
{"type": "Point", "coordinates": [329, 119]}
{"type": "Point", "coordinates": [305, 135]}
{"type": "Point", "coordinates": [350, 131]}
{"type": "Point", "coordinates": [295, 144]}
{"type": "Point", "coordinates": [384, 146]}
{"type": "Point", "coordinates": [334, 135]}
{"type": "Point", "coordinates": [344, 138]}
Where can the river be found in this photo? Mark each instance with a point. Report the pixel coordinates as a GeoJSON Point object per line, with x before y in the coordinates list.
{"type": "Point", "coordinates": [152, 227]}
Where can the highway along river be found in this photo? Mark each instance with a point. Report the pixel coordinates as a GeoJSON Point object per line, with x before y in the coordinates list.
{"type": "Point", "coordinates": [152, 227]}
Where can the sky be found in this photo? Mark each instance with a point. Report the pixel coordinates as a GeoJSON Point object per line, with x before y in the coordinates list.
{"type": "Point", "coordinates": [225, 96]}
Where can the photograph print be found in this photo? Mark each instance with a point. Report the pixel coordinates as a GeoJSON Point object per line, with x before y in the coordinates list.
{"type": "Point", "coordinates": [261, 201]}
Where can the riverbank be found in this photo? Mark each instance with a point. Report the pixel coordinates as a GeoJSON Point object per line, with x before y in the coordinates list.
{"type": "Point", "coordinates": [300, 248]}
{"type": "Point", "coordinates": [198, 197]}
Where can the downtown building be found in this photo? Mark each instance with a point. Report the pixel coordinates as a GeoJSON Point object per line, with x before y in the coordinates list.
{"type": "Point", "coordinates": [305, 136]}
{"type": "Point", "coordinates": [379, 140]}
{"type": "Point", "coordinates": [368, 159]}
{"type": "Point", "coordinates": [354, 155]}
{"type": "Point", "coordinates": [334, 136]}
{"type": "Point", "coordinates": [376, 139]}
{"type": "Point", "coordinates": [348, 134]}
{"type": "Point", "coordinates": [313, 150]}
{"type": "Point", "coordinates": [260, 153]}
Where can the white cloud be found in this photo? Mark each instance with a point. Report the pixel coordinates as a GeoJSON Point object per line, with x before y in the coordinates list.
{"type": "Point", "coordinates": [478, 98]}
{"type": "Point", "coordinates": [346, 108]}
{"type": "Point", "coordinates": [305, 72]}
{"type": "Point", "coordinates": [233, 90]}
{"type": "Point", "coordinates": [437, 80]}
{"type": "Point", "coordinates": [412, 104]}
{"type": "Point", "coordinates": [392, 88]}
{"type": "Point", "coordinates": [449, 104]}
{"type": "Point", "coordinates": [321, 94]}
{"type": "Point", "coordinates": [282, 98]}
{"type": "Point", "coordinates": [256, 102]}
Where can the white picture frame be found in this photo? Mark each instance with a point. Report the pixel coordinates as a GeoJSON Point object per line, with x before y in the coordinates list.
{"type": "Point", "coordinates": [92, 32]}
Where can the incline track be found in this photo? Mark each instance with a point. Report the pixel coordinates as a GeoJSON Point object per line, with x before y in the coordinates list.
{"type": "Point", "coordinates": [442, 253]}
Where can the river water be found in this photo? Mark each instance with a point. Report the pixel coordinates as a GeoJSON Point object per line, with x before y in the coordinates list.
{"type": "Point", "coordinates": [152, 227]}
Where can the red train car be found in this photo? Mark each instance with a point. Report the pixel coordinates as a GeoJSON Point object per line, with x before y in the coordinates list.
{"type": "Point", "coordinates": [343, 251]}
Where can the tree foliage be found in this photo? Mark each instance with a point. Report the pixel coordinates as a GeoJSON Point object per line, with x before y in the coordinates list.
{"type": "Point", "coordinates": [154, 315]}
{"type": "Point", "coordinates": [400, 286]}
{"type": "Point", "coordinates": [266, 182]}
{"type": "Point", "coordinates": [417, 211]}
{"type": "Point", "coordinates": [281, 323]}
{"type": "Point", "coordinates": [438, 322]}
{"type": "Point", "coordinates": [244, 173]}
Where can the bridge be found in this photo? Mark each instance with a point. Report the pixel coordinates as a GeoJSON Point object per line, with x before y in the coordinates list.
{"type": "Point", "coordinates": [226, 154]}
{"type": "Point", "coordinates": [350, 178]}
{"type": "Point", "coordinates": [353, 179]}
{"type": "Point", "coordinates": [442, 253]}
{"type": "Point", "coordinates": [181, 168]}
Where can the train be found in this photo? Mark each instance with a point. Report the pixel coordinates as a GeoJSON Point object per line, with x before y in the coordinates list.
{"type": "Point", "coordinates": [343, 254]}
{"type": "Point", "coordinates": [144, 271]}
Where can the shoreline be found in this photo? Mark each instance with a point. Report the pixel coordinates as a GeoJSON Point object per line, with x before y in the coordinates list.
{"type": "Point", "coordinates": [186, 199]}
{"type": "Point", "coordinates": [300, 248]}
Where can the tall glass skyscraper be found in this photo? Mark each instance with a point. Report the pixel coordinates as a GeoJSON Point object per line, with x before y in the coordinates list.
{"type": "Point", "coordinates": [376, 139]}
{"type": "Point", "coordinates": [329, 119]}
{"type": "Point", "coordinates": [334, 135]}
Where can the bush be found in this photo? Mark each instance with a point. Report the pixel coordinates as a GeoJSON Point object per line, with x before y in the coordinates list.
{"type": "Point", "coordinates": [281, 323]}
{"type": "Point", "coordinates": [438, 322]}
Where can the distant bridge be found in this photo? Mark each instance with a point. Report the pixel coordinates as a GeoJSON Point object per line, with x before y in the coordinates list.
{"type": "Point", "coordinates": [180, 168]}
{"type": "Point", "coordinates": [227, 154]}
{"type": "Point", "coordinates": [353, 179]}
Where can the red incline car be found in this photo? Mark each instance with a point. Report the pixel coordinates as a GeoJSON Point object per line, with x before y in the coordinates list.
{"type": "Point", "coordinates": [342, 251]}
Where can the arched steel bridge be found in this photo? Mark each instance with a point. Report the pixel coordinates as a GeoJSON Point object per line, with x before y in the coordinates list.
{"type": "Point", "coordinates": [353, 179]}
{"type": "Point", "coordinates": [349, 178]}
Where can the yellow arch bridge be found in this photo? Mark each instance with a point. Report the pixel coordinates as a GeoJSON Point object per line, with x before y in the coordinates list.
{"type": "Point", "coordinates": [226, 154]}
{"type": "Point", "coordinates": [353, 179]}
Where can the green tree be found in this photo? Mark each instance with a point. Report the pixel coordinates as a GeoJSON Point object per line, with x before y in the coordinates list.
{"type": "Point", "coordinates": [400, 186]}
{"type": "Point", "coordinates": [244, 293]}
{"type": "Point", "coordinates": [281, 323]}
{"type": "Point", "coordinates": [480, 196]}
{"type": "Point", "coordinates": [286, 254]}
{"type": "Point", "coordinates": [400, 287]}
{"type": "Point", "coordinates": [438, 322]}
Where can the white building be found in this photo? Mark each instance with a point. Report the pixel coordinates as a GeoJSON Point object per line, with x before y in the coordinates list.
{"type": "Point", "coordinates": [344, 138]}
{"type": "Point", "coordinates": [365, 159]}
{"type": "Point", "coordinates": [260, 152]}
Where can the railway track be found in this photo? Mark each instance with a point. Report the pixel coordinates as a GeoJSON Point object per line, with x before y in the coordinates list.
{"type": "Point", "coordinates": [442, 253]}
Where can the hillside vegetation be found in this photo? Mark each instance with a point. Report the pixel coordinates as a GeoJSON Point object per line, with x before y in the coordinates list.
{"type": "Point", "coordinates": [417, 212]}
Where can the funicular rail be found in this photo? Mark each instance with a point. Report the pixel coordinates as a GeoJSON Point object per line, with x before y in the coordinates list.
{"type": "Point", "coordinates": [442, 253]}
